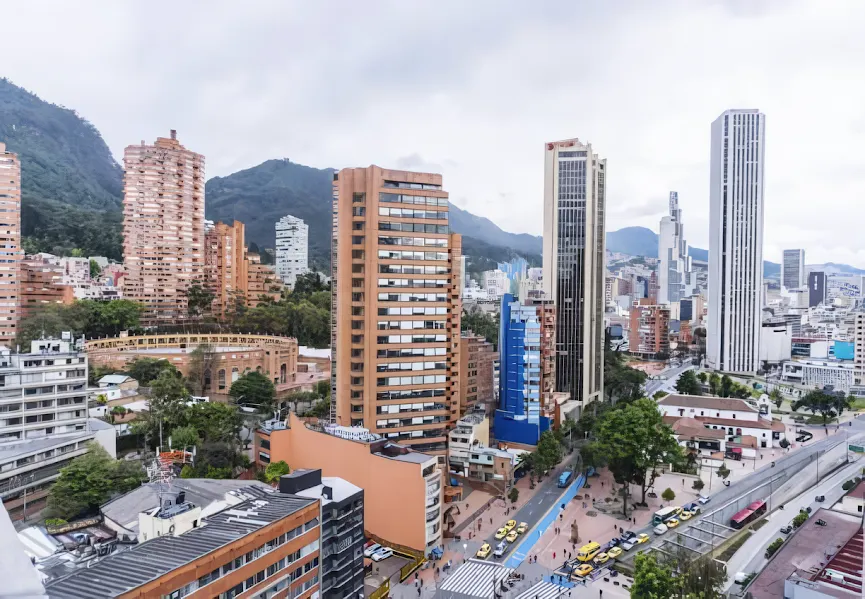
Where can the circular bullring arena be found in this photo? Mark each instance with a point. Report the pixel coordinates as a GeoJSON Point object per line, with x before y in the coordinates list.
{"type": "Point", "coordinates": [230, 355]}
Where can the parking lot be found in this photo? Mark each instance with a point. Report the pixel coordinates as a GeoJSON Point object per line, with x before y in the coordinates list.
{"type": "Point", "coordinates": [381, 571]}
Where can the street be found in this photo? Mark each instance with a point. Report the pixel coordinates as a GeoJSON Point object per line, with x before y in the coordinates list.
{"type": "Point", "coordinates": [668, 382]}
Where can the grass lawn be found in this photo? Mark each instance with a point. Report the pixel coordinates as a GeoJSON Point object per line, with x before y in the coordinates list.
{"type": "Point", "coordinates": [858, 404]}
{"type": "Point", "coordinates": [733, 547]}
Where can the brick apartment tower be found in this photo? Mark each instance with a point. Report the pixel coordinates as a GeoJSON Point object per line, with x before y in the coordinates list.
{"type": "Point", "coordinates": [163, 226]}
{"type": "Point", "coordinates": [232, 273]}
{"type": "Point", "coordinates": [10, 245]}
{"type": "Point", "coordinates": [396, 306]}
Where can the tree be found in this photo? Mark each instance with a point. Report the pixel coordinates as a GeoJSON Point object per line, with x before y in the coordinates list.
{"type": "Point", "coordinates": [776, 397]}
{"type": "Point", "coordinates": [636, 441]}
{"type": "Point", "coordinates": [829, 405]}
{"type": "Point", "coordinates": [147, 370]}
{"type": "Point", "coordinates": [688, 384]}
{"type": "Point", "coordinates": [514, 494]}
{"type": "Point", "coordinates": [481, 323]}
{"type": "Point", "coordinates": [323, 388]}
{"type": "Point", "coordinates": [652, 580]}
{"type": "Point", "coordinates": [95, 269]}
{"type": "Point", "coordinates": [549, 452]}
{"type": "Point", "coordinates": [199, 299]}
{"type": "Point", "coordinates": [659, 395]}
{"type": "Point", "coordinates": [668, 494]}
{"type": "Point", "coordinates": [201, 362]}
{"type": "Point", "coordinates": [727, 385]}
{"type": "Point", "coordinates": [168, 397]}
{"type": "Point", "coordinates": [723, 471]}
{"type": "Point", "coordinates": [275, 470]}
{"type": "Point", "coordinates": [621, 382]}
{"type": "Point", "coordinates": [184, 436]}
{"type": "Point", "coordinates": [703, 377]}
{"type": "Point", "coordinates": [90, 480]}
{"type": "Point", "coordinates": [255, 390]}
{"type": "Point", "coordinates": [714, 384]}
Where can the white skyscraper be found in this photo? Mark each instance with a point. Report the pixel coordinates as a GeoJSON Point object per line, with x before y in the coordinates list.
{"type": "Point", "coordinates": [574, 231]}
{"type": "Point", "coordinates": [736, 241]}
{"type": "Point", "coordinates": [793, 269]}
{"type": "Point", "coordinates": [292, 249]}
{"type": "Point", "coordinates": [674, 270]}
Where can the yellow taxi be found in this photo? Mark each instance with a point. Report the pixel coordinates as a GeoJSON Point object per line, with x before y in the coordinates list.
{"type": "Point", "coordinates": [501, 533]}
{"type": "Point", "coordinates": [642, 538]}
{"type": "Point", "coordinates": [602, 558]}
{"type": "Point", "coordinates": [510, 525]}
{"type": "Point", "coordinates": [583, 570]}
{"type": "Point", "coordinates": [672, 523]}
{"type": "Point", "coordinates": [512, 536]}
{"type": "Point", "coordinates": [614, 552]}
{"type": "Point", "coordinates": [686, 515]}
{"type": "Point", "coordinates": [522, 528]}
{"type": "Point", "coordinates": [484, 551]}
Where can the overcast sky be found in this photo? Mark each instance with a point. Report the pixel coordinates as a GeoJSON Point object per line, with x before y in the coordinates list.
{"type": "Point", "coordinates": [474, 89]}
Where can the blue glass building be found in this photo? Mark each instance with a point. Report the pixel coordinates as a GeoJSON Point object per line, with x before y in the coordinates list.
{"type": "Point", "coordinates": [518, 419]}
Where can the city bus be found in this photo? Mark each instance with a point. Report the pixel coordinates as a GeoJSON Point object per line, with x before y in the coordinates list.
{"type": "Point", "coordinates": [754, 511]}
{"type": "Point", "coordinates": [665, 514]}
{"type": "Point", "coordinates": [565, 478]}
{"type": "Point", "coordinates": [588, 552]}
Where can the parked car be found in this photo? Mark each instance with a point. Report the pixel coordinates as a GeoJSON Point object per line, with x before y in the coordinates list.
{"type": "Point", "coordinates": [602, 558]}
{"type": "Point", "coordinates": [522, 528]}
{"type": "Point", "coordinates": [583, 570]}
{"type": "Point", "coordinates": [382, 554]}
{"type": "Point", "coordinates": [685, 515]}
{"type": "Point", "coordinates": [500, 549]}
{"type": "Point", "coordinates": [501, 533]}
{"type": "Point", "coordinates": [820, 498]}
{"type": "Point", "coordinates": [371, 549]}
{"type": "Point", "coordinates": [787, 529]}
{"type": "Point", "coordinates": [703, 500]}
{"type": "Point", "coordinates": [642, 538]}
{"type": "Point", "coordinates": [614, 552]}
{"type": "Point", "coordinates": [660, 529]}
{"type": "Point", "coordinates": [694, 508]}
{"type": "Point", "coordinates": [614, 542]}
{"type": "Point", "coordinates": [628, 545]}
{"type": "Point", "coordinates": [627, 536]}
{"type": "Point", "coordinates": [512, 536]}
{"type": "Point", "coordinates": [820, 523]}
{"type": "Point", "coordinates": [484, 551]}
{"type": "Point", "coordinates": [510, 525]}
{"type": "Point", "coordinates": [672, 522]}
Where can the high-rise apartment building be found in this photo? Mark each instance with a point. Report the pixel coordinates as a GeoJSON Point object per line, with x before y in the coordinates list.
{"type": "Point", "coordinates": [292, 249]}
{"type": "Point", "coordinates": [649, 334]}
{"type": "Point", "coordinates": [477, 356]}
{"type": "Point", "coordinates": [236, 277]}
{"type": "Point", "coordinates": [574, 231]}
{"type": "Point", "coordinates": [10, 245]}
{"type": "Point", "coordinates": [396, 306]}
{"type": "Point", "coordinates": [817, 286]}
{"type": "Point", "coordinates": [793, 269]}
{"type": "Point", "coordinates": [736, 241]}
{"type": "Point", "coordinates": [674, 267]}
{"type": "Point", "coordinates": [163, 226]}
{"type": "Point", "coordinates": [527, 353]}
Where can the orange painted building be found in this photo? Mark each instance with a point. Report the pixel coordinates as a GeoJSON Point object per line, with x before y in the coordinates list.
{"type": "Point", "coordinates": [649, 334]}
{"type": "Point", "coordinates": [396, 306]}
{"type": "Point", "coordinates": [402, 488]}
{"type": "Point", "coordinates": [163, 226]}
{"type": "Point", "coordinates": [10, 245]}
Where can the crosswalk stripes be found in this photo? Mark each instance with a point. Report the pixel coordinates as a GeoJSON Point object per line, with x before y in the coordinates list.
{"type": "Point", "coordinates": [543, 590]}
{"type": "Point", "coordinates": [475, 578]}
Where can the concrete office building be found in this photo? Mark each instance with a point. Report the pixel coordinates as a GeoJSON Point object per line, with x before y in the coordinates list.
{"type": "Point", "coordinates": [674, 268]}
{"type": "Point", "coordinates": [816, 288]}
{"type": "Point", "coordinates": [292, 249]}
{"type": "Point", "coordinates": [649, 335]}
{"type": "Point", "coordinates": [10, 245]}
{"type": "Point", "coordinates": [163, 226]}
{"type": "Point", "coordinates": [574, 253]}
{"type": "Point", "coordinates": [342, 529]}
{"type": "Point", "coordinates": [396, 306]}
{"type": "Point", "coordinates": [793, 269]}
{"type": "Point", "coordinates": [736, 241]}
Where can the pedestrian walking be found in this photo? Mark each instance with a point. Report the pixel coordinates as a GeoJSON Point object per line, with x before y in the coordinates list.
{"type": "Point", "coordinates": [600, 592]}
{"type": "Point", "coordinates": [554, 555]}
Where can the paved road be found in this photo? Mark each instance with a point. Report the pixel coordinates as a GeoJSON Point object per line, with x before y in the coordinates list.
{"type": "Point", "coordinates": [668, 380]}
{"type": "Point", "coordinates": [751, 556]}
{"type": "Point", "coordinates": [792, 474]}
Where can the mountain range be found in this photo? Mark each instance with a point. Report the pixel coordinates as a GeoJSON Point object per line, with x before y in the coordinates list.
{"type": "Point", "coordinates": [72, 196]}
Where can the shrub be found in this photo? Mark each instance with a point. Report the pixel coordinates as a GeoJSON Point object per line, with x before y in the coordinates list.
{"type": "Point", "coordinates": [698, 485]}
{"type": "Point", "coordinates": [55, 522]}
{"type": "Point", "coordinates": [848, 485]}
{"type": "Point", "coordinates": [799, 520]}
{"type": "Point", "coordinates": [514, 495]}
{"type": "Point", "coordinates": [784, 444]}
{"type": "Point", "coordinates": [774, 546]}
{"type": "Point", "coordinates": [668, 495]}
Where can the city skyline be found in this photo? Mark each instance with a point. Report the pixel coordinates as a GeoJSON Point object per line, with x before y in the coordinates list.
{"type": "Point", "coordinates": [654, 136]}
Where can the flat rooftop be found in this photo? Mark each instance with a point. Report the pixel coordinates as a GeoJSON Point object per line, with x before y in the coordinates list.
{"type": "Point", "coordinates": [10, 451]}
{"type": "Point", "coordinates": [122, 572]}
{"type": "Point", "coordinates": [806, 553]}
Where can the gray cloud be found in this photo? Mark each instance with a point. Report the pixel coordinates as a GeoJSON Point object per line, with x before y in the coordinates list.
{"type": "Point", "coordinates": [475, 89]}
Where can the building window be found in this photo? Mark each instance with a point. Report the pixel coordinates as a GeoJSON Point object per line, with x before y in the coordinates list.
{"type": "Point", "coordinates": [220, 379]}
